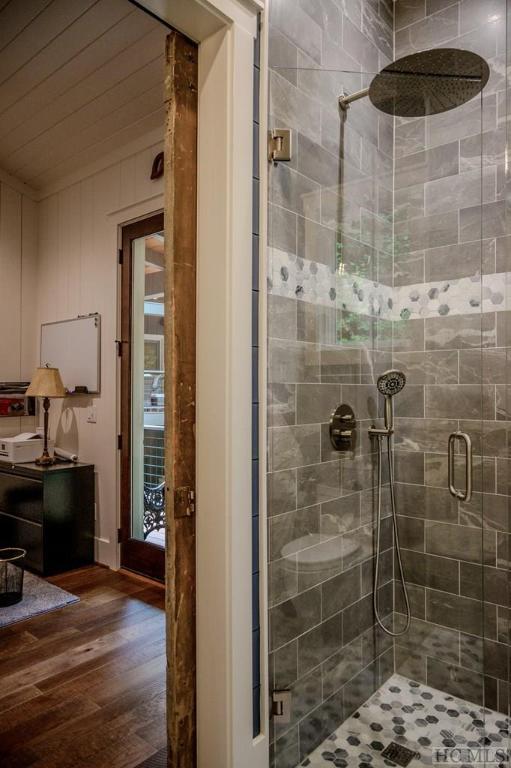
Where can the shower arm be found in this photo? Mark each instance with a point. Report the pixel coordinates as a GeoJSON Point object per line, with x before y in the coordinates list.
{"type": "Point", "coordinates": [346, 99]}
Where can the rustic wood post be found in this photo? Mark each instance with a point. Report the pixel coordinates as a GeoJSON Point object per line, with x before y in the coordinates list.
{"type": "Point", "coordinates": [180, 364]}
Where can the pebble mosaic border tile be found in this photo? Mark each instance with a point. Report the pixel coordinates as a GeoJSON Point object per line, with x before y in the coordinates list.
{"type": "Point", "coordinates": [294, 277]}
{"type": "Point", "coordinates": [309, 281]}
{"type": "Point", "coordinates": [463, 296]}
{"type": "Point", "coordinates": [420, 718]}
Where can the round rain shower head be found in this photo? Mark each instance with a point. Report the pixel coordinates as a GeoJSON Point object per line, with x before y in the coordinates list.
{"type": "Point", "coordinates": [429, 82]}
{"type": "Point", "coordinates": [391, 382]}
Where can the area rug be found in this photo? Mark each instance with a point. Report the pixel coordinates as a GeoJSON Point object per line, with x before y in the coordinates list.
{"type": "Point", "coordinates": [38, 597]}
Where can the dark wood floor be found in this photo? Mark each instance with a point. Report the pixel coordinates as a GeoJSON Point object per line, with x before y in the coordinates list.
{"type": "Point", "coordinates": [84, 687]}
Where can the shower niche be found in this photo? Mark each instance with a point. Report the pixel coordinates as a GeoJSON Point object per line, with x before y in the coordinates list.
{"type": "Point", "coordinates": [387, 269]}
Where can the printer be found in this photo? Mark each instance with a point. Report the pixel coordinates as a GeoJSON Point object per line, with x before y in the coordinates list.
{"type": "Point", "coordinates": [23, 448]}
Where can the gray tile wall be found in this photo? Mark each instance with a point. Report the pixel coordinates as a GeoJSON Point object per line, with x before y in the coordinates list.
{"type": "Point", "coordinates": [331, 205]}
{"type": "Point", "coordinates": [456, 368]}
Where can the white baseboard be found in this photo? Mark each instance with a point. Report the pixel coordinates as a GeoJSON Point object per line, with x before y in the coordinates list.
{"type": "Point", "coordinates": [106, 552]}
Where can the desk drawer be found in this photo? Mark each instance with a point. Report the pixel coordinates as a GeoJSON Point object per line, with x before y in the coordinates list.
{"type": "Point", "coordinates": [21, 497]}
{"type": "Point", "coordinates": [20, 533]}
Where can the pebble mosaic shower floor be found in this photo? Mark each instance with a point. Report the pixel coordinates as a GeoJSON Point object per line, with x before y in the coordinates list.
{"type": "Point", "coordinates": [419, 718]}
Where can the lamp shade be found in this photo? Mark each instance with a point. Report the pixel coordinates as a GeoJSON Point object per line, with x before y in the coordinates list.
{"type": "Point", "coordinates": [46, 382]}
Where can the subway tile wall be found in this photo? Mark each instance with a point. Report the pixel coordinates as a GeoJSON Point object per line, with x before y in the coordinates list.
{"type": "Point", "coordinates": [330, 206]}
{"type": "Point", "coordinates": [455, 554]}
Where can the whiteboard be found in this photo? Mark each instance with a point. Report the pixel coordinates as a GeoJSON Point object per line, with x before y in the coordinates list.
{"type": "Point", "coordinates": [74, 347]}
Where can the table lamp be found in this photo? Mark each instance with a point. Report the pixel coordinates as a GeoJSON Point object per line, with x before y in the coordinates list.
{"type": "Point", "coordinates": [46, 383]}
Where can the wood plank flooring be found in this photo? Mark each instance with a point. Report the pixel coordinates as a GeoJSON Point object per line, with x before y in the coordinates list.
{"type": "Point", "coordinates": [84, 686]}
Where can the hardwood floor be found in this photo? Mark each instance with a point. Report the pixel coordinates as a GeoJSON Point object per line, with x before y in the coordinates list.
{"type": "Point", "coordinates": [84, 686]}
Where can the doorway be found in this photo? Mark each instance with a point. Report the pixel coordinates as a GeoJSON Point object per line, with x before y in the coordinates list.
{"type": "Point", "coordinates": [142, 438]}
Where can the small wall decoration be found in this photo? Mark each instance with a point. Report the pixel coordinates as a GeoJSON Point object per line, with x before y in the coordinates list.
{"type": "Point", "coordinates": [157, 169]}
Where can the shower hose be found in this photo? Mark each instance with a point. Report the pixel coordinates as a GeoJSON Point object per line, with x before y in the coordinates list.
{"type": "Point", "coordinates": [396, 537]}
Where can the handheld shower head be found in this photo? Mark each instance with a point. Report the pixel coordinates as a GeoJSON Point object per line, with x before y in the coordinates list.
{"type": "Point", "coordinates": [389, 384]}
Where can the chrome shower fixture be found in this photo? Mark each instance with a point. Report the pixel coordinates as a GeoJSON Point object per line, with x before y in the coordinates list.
{"type": "Point", "coordinates": [389, 384]}
{"type": "Point", "coordinates": [425, 83]}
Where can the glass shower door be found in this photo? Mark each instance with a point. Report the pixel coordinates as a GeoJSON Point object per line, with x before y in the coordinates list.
{"type": "Point", "coordinates": [384, 242]}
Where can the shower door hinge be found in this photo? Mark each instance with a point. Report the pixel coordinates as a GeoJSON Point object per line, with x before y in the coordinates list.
{"type": "Point", "coordinates": [184, 502]}
{"type": "Point", "coordinates": [280, 148]}
{"type": "Point", "coordinates": [281, 709]}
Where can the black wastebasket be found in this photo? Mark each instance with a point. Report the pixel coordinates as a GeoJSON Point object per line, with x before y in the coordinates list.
{"type": "Point", "coordinates": [11, 576]}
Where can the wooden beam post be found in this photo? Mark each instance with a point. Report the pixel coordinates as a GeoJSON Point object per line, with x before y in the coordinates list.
{"type": "Point", "coordinates": [181, 96]}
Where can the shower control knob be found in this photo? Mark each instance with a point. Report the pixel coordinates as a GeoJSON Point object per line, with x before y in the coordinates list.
{"type": "Point", "coordinates": [343, 428]}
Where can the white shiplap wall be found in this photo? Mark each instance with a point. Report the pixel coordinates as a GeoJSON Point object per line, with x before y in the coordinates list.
{"type": "Point", "coordinates": [77, 79]}
{"type": "Point", "coordinates": [18, 233]}
{"type": "Point", "coordinates": [77, 274]}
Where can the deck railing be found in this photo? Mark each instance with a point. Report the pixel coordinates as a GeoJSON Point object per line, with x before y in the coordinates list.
{"type": "Point", "coordinates": [154, 453]}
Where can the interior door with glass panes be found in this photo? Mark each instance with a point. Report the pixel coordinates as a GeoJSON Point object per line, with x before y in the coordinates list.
{"type": "Point", "coordinates": [142, 533]}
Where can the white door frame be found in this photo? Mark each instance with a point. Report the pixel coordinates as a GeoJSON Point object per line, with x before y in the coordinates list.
{"type": "Point", "coordinates": [225, 31]}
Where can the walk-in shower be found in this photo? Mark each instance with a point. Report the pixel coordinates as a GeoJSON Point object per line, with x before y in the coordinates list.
{"type": "Point", "coordinates": [419, 85]}
{"type": "Point", "coordinates": [389, 331]}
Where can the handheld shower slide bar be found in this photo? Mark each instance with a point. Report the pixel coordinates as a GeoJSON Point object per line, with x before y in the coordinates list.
{"type": "Point", "coordinates": [389, 384]}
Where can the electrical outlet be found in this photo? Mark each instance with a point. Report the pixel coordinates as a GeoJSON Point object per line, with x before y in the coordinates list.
{"type": "Point", "coordinates": [91, 415]}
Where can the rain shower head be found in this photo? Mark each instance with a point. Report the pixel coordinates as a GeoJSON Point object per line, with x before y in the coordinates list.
{"type": "Point", "coordinates": [426, 83]}
{"type": "Point", "coordinates": [391, 382]}
{"type": "Point", "coordinates": [429, 82]}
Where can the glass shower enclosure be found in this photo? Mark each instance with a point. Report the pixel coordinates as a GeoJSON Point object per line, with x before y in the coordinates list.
{"type": "Point", "coordinates": [388, 241]}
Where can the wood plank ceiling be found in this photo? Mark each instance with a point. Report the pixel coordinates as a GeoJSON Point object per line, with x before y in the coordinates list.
{"type": "Point", "coordinates": [78, 79]}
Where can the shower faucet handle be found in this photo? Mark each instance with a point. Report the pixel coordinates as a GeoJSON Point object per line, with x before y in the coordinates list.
{"type": "Point", "coordinates": [343, 428]}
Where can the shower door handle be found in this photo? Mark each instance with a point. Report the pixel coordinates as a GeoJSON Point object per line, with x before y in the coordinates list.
{"type": "Point", "coordinates": [465, 495]}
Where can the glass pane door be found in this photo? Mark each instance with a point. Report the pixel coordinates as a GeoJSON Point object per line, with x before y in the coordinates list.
{"type": "Point", "coordinates": [142, 406]}
{"type": "Point", "coordinates": [148, 475]}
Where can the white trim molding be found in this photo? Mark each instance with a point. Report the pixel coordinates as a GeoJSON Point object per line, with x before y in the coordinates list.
{"type": "Point", "coordinates": [225, 31]}
{"type": "Point", "coordinates": [199, 19]}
